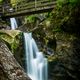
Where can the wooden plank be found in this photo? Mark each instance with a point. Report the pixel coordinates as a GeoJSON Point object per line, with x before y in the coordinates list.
{"type": "Point", "coordinates": [26, 12]}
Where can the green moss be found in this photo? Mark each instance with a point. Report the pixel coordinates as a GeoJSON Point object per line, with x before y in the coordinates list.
{"type": "Point", "coordinates": [52, 58]}
{"type": "Point", "coordinates": [11, 37]}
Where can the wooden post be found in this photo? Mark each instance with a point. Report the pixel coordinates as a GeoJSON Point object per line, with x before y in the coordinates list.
{"type": "Point", "coordinates": [3, 9]}
{"type": "Point", "coordinates": [16, 8]}
{"type": "Point", "coordinates": [35, 4]}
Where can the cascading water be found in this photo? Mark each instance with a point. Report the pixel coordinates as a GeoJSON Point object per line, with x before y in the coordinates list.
{"type": "Point", "coordinates": [13, 23]}
{"type": "Point", "coordinates": [36, 63]}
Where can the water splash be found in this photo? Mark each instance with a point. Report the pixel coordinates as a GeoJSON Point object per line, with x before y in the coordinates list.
{"type": "Point", "coordinates": [36, 63]}
{"type": "Point", "coordinates": [13, 23]}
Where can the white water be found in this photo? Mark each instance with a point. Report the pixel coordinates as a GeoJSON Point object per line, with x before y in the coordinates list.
{"type": "Point", "coordinates": [13, 23]}
{"type": "Point", "coordinates": [36, 63]}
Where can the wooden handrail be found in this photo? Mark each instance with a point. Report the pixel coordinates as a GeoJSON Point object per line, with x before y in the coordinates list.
{"type": "Point", "coordinates": [28, 7]}
{"type": "Point", "coordinates": [31, 3]}
{"type": "Point", "coordinates": [43, 3]}
{"type": "Point", "coordinates": [40, 5]}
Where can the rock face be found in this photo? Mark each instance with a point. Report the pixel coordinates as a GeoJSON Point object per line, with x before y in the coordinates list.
{"type": "Point", "coordinates": [66, 60]}
{"type": "Point", "coordinates": [9, 68]}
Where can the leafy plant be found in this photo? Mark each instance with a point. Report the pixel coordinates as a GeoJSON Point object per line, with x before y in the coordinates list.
{"type": "Point", "coordinates": [30, 19]}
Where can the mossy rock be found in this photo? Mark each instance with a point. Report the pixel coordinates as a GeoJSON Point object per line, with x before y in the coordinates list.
{"type": "Point", "coordinates": [11, 33]}
{"type": "Point", "coordinates": [11, 38]}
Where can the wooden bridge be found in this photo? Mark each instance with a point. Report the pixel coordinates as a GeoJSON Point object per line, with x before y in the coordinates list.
{"type": "Point", "coordinates": [27, 8]}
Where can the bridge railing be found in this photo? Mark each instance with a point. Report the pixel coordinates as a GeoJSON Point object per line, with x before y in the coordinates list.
{"type": "Point", "coordinates": [35, 5]}
{"type": "Point", "coordinates": [1, 9]}
{"type": "Point", "coordinates": [25, 6]}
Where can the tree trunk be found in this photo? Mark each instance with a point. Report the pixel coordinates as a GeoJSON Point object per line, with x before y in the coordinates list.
{"type": "Point", "coordinates": [9, 67]}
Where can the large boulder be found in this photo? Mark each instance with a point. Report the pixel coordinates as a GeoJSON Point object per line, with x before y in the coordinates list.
{"type": "Point", "coordinates": [9, 67]}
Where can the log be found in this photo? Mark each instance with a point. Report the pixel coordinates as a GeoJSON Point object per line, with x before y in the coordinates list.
{"type": "Point", "coordinates": [9, 67]}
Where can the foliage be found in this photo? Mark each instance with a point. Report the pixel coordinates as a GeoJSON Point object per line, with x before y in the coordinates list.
{"type": "Point", "coordinates": [30, 19]}
{"type": "Point", "coordinates": [66, 17]}
{"type": "Point", "coordinates": [66, 11]}
{"type": "Point", "coordinates": [73, 3]}
{"type": "Point", "coordinates": [14, 2]}
{"type": "Point", "coordinates": [1, 0]}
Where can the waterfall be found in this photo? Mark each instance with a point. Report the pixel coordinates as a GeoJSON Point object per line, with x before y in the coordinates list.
{"type": "Point", "coordinates": [36, 63]}
{"type": "Point", "coordinates": [13, 23]}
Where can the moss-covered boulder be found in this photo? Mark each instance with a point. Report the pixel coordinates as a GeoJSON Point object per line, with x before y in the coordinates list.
{"type": "Point", "coordinates": [11, 37]}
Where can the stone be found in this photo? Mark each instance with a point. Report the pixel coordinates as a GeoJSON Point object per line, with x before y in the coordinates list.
{"type": "Point", "coordinates": [9, 67]}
